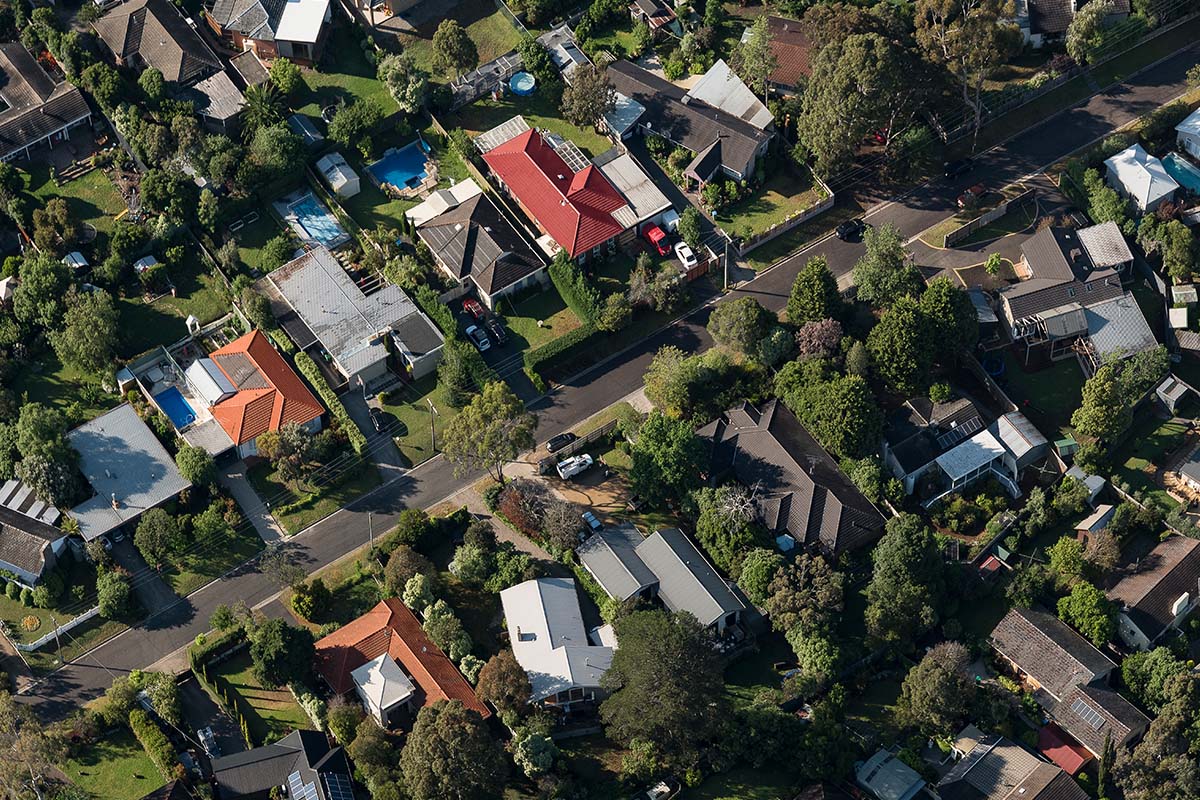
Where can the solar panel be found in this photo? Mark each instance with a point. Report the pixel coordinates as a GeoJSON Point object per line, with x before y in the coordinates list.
{"type": "Point", "coordinates": [299, 790]}
{"type": "Point", "coordinates": [1087, 713]}
{"type": "Point", "coordinates": [338, 786]}
{"type": "Point", "coordinates": [960, 432]}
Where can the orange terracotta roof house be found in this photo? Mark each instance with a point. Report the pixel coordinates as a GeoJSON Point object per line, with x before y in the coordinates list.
{"type": "Point", "coordinates": [386, 658]}
{"type": "Point", "coordinates": [259, 393]}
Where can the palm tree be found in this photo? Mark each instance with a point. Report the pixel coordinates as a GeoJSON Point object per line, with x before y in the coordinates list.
{"type": "Point", "coordinates": [264, 108]}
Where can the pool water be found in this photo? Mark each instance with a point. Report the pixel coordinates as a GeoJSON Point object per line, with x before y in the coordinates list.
{"type": "Point", "coordinates": [522, 84]}
{"type": "Point", "coordinates": [405, 168]}
{"type": "Point", "coordinates": [1183, 171]}
{"type": "Point", "coordinates": [318, 223]}
{"type": "Point", "coordinates": [176, 407]}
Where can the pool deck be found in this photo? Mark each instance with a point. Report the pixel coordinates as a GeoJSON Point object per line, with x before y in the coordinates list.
{"type": "Point", "coordinates": [283, 207]}
{"type": "Point", "coordinates": [428, 182]}
{"type": "Point", "coordinates": [167, 373]}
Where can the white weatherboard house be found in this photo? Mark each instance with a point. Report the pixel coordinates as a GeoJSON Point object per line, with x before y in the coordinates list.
{"type": "Point", "coordinates": [1141, 178]}
{"type": "Point", "coordinates": [1187, 134]}
{"type": "Point", "coordinates": [545, 627]}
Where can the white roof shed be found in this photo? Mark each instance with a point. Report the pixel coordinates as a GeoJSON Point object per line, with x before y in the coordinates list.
{"type": "Point", "coordinates": [339, 175]}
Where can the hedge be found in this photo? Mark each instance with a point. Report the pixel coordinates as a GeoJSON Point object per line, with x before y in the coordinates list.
{"type": "Point", "coordinates": [200, 653]}
{"type": "Point", "coordinates": [544, 356]}
{"type": "Point", "coordinates": [427, 300]}
{"type": "Point", "coordinates": [155, 742]}
{"type": "Point", "coordinates": [579, 295]}
{"type": "Point", "coordinates": [309, 369]}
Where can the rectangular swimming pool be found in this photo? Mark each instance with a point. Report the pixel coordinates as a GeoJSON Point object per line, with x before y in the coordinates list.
{"type": "Point", "coordinates": [317, 222]}
{"type": "Point", "coordinates": [403, 168]}
{"type": "Point", "coordinates": [1183, 171]}
{"type": "Point", "coordinates": [176, 407]}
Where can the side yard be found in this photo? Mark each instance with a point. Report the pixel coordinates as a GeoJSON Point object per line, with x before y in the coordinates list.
{"type": "Point", "coordinates": [270, 713]}
{"type": "Point", "coordinates": [1138, 462]}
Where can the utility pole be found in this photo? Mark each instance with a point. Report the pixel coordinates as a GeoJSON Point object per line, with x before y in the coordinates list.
{"type": "Point", "coordinates": [370, 530]}
{"type": "Point", "coordinates": [57, 640]}
{"type": "Point", "coordinates": [432, 429]}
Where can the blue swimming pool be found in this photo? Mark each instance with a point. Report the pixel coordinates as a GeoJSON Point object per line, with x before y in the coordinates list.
{"type": "Point", "coordinates": [403, 168]}
{"type": "Point", "coordinates": [522, 84]}
{"type": "Point", "coordinates": [1183, 171]}
{"type": "Point", "coordinates": [175, 406]}
{"type": "Point", "coordinates": [317, 222]}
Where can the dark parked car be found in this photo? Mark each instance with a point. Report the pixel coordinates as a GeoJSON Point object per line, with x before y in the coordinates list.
{"type": "Point", "coordinates": [952, 169]}
{"type": "Point", "coordinates": [851, 229]}
{"type": "Point", "coordinates": [496, 328]}
{"type": "Point", "coordinates": [377, 419]}
{"type": "Point", "coordinates": [557, 443]}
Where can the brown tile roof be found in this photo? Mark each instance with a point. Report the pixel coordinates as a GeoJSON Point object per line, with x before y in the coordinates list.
{"type": "Point", "coordinates": [390, 627]}
{"type": "Point", "coordinates": [792, 49]}
{"type": "Point", "coordinates": [25, 540]}
{"type": "Point", "coordinates": [1092, 713]}
{"type": "Point", "coordinates": [1047, 650]}
{"type": "Point", "coordinates": [1000, 769]}
{"type": "Point", "coordinates": [34, 106]}
{"type": "Point", "coordinates": [1151, 587]}
{"type": "Point", "coordinates": [269, 395]}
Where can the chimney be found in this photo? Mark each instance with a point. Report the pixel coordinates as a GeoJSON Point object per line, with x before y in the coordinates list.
{"type": "Point", "coordinates": [115, 504]}
{"type": "Point", "coordinates": [1076, 254]}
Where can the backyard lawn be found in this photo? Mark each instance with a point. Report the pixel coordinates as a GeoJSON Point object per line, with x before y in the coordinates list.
{"type": "Point", "coordinates": [597, 762]}
{"type": "Point", "coordinates": [539, 110]}
{"type": "Point", "coordinates": [872, 712]}
{"type": "Point", "coordinates": [743, 783]}
{"type": "Point", "coordinates": [1145, 452]}
{"type": "Point", "coordinates": [116, 767]}
{"type": "Point", "coordinates": [754, 672]}
{"type": "Point", "coordinates": [91, 198]}
{"type": "Point", "coordinates": [253, 237]}
{"type": "Point", "coordinates": [270, 713]}
{"type": "Point", "coordinates": [343, 75]}
{"type": "Point", "coordinates": [213, 559]}
{"type": "Point", "coordinates": [783, 194]}
{"type": "Point", "coordinates": [487, 26]}
{"type": "Point", "coordinates": [47, 380]}
{"type": "Point", "coordinates": [410, 405]}
{"type": "Point", "coordinates": [546, 307]}
{"type": "Point", "coordinates": [198, 292]}
{"type": "Point", "coordinates": [295, 509]}
{"type": "Point", "coordinates": [1047, 396]}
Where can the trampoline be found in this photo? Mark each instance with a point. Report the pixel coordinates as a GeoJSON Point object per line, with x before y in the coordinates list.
{"type": "Point", "coordinates": [522, 84]}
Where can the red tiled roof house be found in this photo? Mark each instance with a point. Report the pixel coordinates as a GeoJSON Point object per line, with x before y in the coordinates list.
{"type": "Point", "coordinates": [391, 665]}
{"type": "Point", "coordinates": [566, 196]}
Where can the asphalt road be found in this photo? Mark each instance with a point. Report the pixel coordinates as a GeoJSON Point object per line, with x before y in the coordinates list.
{"type": "Point", "coordinates": [172, 628]}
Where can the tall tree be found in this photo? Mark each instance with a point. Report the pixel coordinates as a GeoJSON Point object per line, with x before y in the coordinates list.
{"type": "Point", "coordinates": [88, 339]}
{"type": "Point", "coordinates": [952, 315]}
{"type": "Point", "coordinates": [666, 684]}
{"type": "Point", "coordinates": [504, 683]}
{"type": "Point", "coordinates": [754, 59]}
{"type": "Point", "coordinates": [281, 654]}
{"type": "Point", "coordinates": [263, 108]}
{"type": "Point", "coordinates": [588, 97]}
{"type": "Point", "coordinates": [970, 38]}
{"type": "Point", "coordinates": [493, 429]}
{"type": "Point", "coordinates": [667, 458]}
{"type": "Point", "coordinates": [885, 273]}
{"type": "Point", "coordinates": [903, 347]}
{"type": "Point", "coordinates": [814, 294]}
{"type": "Point", "coordinates": [806, 594]}
{"type": "Point", "coordinates": [1090, 612]}
{"type": "Point", "coordinates": [937, 693]}
{"type": "Point", "coordinates": [907, 582]}
{"type": "Point", "coordinates": [449, 755]}
{"type": "Point", "coordinates": [30, 755]}
{"type": "Point", "coordinates": [1104, 412]}
{"type": "Point", "coordinates": [1084, 32]}
{"type": "Point", "coordinates": [739, 324]}
{"type": "Point", "coordinates": [408, 83]}
{"type": "Point", "coordinates": [38, 298]}
{"type": "Point", "coordinates": [453, 50]}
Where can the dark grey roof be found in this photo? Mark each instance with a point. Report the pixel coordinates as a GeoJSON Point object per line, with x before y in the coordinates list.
{"type": "Point", "coordinates": [175, 790]}
{"type": "Point", "coordinates": [689, 122]}
{"type": "Point", "coordinates": [257, 19]}
{"type": "Point", "coordinates": [253, 72]}
{"type": "Point", "coordinates": [307, 753]}
{"type": "Point", "coordinates": [36, 106]}
{"type": "Point", "coordinates": [1150, 588]}
{"type": "Point", "coordinates": [158, 33]}
{"type": "Point", "coordinates": [1092, 714]}
{"type": "Point", "coordinates": [922, 430]}
{"type": "Point", "coordinates": [686, 581]}
{"type": "Point", "coordinates": [1046, 649]}
{"type": "Point", "coordinates": [1000, 769]}
{"type": "Point", "coordinates": [1062, 274]}
{"type": "Point", "coordinates": [610, 555]}
{"type": "Point", "coordinates": [802, 492]}
{"type": "Point", "coordinates": [24, 541]}
{"type": "Point", "coordinates": [475, 240]}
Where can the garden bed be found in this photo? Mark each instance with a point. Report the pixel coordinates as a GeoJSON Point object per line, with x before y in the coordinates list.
{"type": "Point", "coordinates": [78, 572]}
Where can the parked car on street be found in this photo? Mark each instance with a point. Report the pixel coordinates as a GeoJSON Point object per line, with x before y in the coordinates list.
{"type": "Point", "coordinates": [496, 328]}
{"type": "Point", "coordinates": [657, 239]}
{"type": "Point", "coordinates": [851, 229]}
{"type": "Point", "coordinates": [573, 466]}
{"type": "Point", "coordinates": [472, 307]}
{"type": "Point", "coordinates": [479, 338]}
{"type": "Point", "coordinates": [560, 441]}
{"type": "Point", "coordinates": [971, 196]}
{"type": "Point", "coordinates": [592, 521]}
{"type": "Point", "coordinates": [685, 255]}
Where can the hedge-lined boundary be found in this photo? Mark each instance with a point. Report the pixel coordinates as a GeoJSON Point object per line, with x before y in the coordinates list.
{"type": "Point", "coordinates": [156, 744]}
{"type": "Point", "coordinates": [312, 372]}
{"type": "Point", "coordinates": [427, 300]}
{"type": "Point", "coordinates": [579, 294]}
{"type": "Point", "coordinates": [541, 358]}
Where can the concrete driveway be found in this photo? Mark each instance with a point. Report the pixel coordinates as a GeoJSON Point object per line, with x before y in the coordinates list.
{"type": "Point", "coordinates": [152, 591]}
{"type": "Point", "coordinates": [384, 453]}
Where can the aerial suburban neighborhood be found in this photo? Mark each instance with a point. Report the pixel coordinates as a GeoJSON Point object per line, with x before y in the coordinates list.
{"type": "Point", "coordinates": [600, 399]}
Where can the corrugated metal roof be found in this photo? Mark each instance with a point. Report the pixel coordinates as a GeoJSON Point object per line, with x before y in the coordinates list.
{"type": "Point", "coordinates": [1119, 326]}
{"type": "Point", "coordinates": [686, 581]}
{"type": "Point", "coordinates": [643, 195]}
{"type": "Point", "coordinates": [610, 555]}
{"type": "Point", "coordinates": [971, 455]}
{"type": "Point", "coordinates": [1105, 245]}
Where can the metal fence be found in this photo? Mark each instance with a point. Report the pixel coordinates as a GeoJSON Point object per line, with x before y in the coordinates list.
{"type": "Point", "coordinates": [546, 464]}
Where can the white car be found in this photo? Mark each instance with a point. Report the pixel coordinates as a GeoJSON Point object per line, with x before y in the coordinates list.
{"type": "Point", "coordinates": [685, 255]}
{"type": "Point", "coordinates": [574, 465]}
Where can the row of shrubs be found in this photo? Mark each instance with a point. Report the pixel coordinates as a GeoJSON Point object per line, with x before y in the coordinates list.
{"type": "Point", "coordinates": [309, 369]}
{"type": "Point", "coordinates": [158, 747]}
{"type": "Point", "coordinates": [575, 289]}
{"type": "Point", "coordinates": [541, 359]}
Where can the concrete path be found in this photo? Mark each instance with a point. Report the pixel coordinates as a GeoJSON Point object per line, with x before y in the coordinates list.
{"type": "Point", "coordinates": [235, 480]}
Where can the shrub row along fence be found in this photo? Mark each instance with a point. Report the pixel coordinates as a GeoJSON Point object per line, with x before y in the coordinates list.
{"type": "Point", "coordinates": [203, 656]}
{"type": "Point", "coordinates": [309, 369]}
{"type": "Point", "coordinates": [797, 219]}
{"type": "Point", "coordinates": [988, 217]}
{"type": "Point", "coordinates": [156, 743]}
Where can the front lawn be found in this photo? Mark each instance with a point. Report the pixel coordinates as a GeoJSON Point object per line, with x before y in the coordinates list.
{"type": "Point", "coordinates": [1047, 396]}
{"type": "Point", "coordinates": [199, 292]}
{"type": "Point", "coordinates": [1146, 52]}
{"type": "Point", "coordinates": [82, 639]}
{"type": "Point", "coordinates": [295, 507]}
{"type": "Point", "coordinates": [783, 194]}
{"type": "Point", "coordinates": [485, 23]}
{"type": "Point", "coordinates": [410, 405]}
{"type": "Point", "coordinates": [270, 714]}
{"type": "Point", "coordinates": [1144, 454]}
{"type": "Point", "coordinates": [744, 783]}
{"type": "Point", "coordinates": [115, 767]}
{"type": "Point", "coordinates": [478, 609]}
{"type": "Point", "coordinates": [210, 560]}
{"type": "Point", "coordinates": [1015, 221]}
{"type": "Point", "coordinates": [28, 624]}
{"type": "Point", "coordinates": [539, 110]}
{"type": "Point", "coordinates": [547, 308]}
{"type": "Point", "coordinates": [344, 74]}
{"type": "Point", "coordinates": [766, 255]}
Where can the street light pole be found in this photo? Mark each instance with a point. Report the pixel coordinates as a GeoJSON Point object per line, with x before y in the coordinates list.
{"type": "Point", "coordinates": [432, 429]}
{"type": "Point", "coordinates": [370, 530]}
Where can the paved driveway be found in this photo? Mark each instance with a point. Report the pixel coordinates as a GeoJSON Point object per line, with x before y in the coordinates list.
{"type": "Point", "coordinates": [151, 590]}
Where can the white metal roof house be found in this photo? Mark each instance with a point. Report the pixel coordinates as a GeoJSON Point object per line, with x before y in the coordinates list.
{"type": "Point", "coordinates": [545, 627]}
{"type": "Point", "coordinates": [296, 29]}
{"type": "Point", "coordinates": [646, 200]}
{"type": "Point", "coordinates": [1002, 451]}
{"type": "Point", "coordinates": [1140, 177]}
{"type": "Point", "coordinates": [721, 88]}
{"type": "Point", "coordinates": [339, 174]}
{"type": "Point", "coordinates": [1187, 133]}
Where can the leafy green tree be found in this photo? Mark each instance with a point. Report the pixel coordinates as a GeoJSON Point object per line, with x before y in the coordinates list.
{"type": "Point", "coordinates": [1084, 32]}
{"type": "Point", "coordinates": [276, 151]}
{"type": "Point", "coordinates": [114, 595]}
{"type": "Point", "coordinates": [493, 429]}
{"type": "Point", "coordinates": [353, 124]}
{"type": "Point", "coordinates": [807, 594]}
{"type": "Point", "coordinates": [38, 298]}
{"type": "Point", "coordinates": [667, 458]}
{"type": "Point", "coordinates": [53, 481]}
{"type": "Point", "coordinates": [884, 273]}
{"type": "Point", "coordinates": [158, 535]}
{"type": "Point", "coordinates": [846, 419]}
{"type": "Point", "coordinates": [739, 324]}
{"type": "Point", "coordinates": [281, 654]}
{"type": "Point", "coordinates": [1089, 612]}
{"type": "Point", "coordinates": [615, 314]}
{"type": "Point", "coordinates": [103, 83]}
{"type": "Point", "coordinates": [402, 565]}
{"type": "Point", "coordinates": [1104, 412]}
{"type": "Point", "coordinates": [1147, 674]}
{"type": "Point", "coordinates": [588, 96]}
{"type": "Point", "coordinates": [907, 582]}
{"type": "Point", "coordinates": [858, 360]}
{"type": "Point", "coordinates": [504, 683]}
{"type": "Point", "coordinates": [208, 209]}
{"type": "Point", "coordinates": [151, 82]}
{"type": "Point", "coordinates": [449, 755]}
{"type": "Point", "coordinates": [196, 465]}
{"type": "Point", "coordinates": [814, 295]}
{"type": "Point", "coordinates": [536, 59]}
{"type": "Point", "coordinates": [453, 50]}
{"type": "Point", "coordinates": [937, 694]}
{"type": "Point", "coordinates": [1162, 766]}
{"type": "Point", "coordinates": [286, 76]}
{"type": "Point", "coordinates": [407, 82]}
{"type": "Point", "coordinates": [1066, 559]}
{"type": "Point", "coordinates": [1029, 585]}
{"type": "Point", "coordinates": [817, 658]}
{"type": "Point", "coordinates": [534, 753]}
{"type": "Point", "coordinates": [903, 347]}
{"type": "Point", "coordinates": [88, 339]}
{"type": "Point", "coordinates": [446, 631]}
{"type": "Point", "coordinates": [1103, 202]}
{"type": "Point", "coordinates": [759, 568]}
{"type": "Point", "coordinates": [754, 58]}
{"type": "Point", "coordinates": [690, 228]}
{"type": "Point", "coordinates": [952, 316]}
{"type": "Point", "coordinates": [725, 525]}
{"type": "Point", "coordinates": [666, 685]}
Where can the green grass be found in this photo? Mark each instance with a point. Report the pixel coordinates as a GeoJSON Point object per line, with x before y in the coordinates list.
{"type": "Point", "coordinates": [77, 573]}
{"type": "Point", "coordinates": [270, 713]}
{"type": "Point", "coordinates": [873, 711]}
{"type": "Point", "coordinates": [115, 767]}
{"type": "Point", "coordinates": [596, 761]}
{"type": "Point", "coordinates": [198, 292]}
{"type": "Point", "coordinates": [353, 595]}
{"type": "Point", "coordinates": [1047, 396]}
{"type": "Point", "coordinates": [546, 307]}
{"type": "Point", "coordinates": [213, 559]}
{"type": "Point", "coordinates": [743, 783]}
{"type": "Point", "coordinates": [1145, 452]}
{"type": "Point", "coordinates": [48, 381]}
{"type": "Point", "coordinates": [410, 406]}
{"type": "Point", "coordinates": [781, 195]}
{"type": "Point", "coordinates": [751, 673]}
{"type": "Point", "coordinates": [91, 198]}
{"type": "Point", "coordinates": [539, 110]}
{"type": "Point", "coordinates": [616, 38]}
{"type": "Point", "coordinates": [353, 78]}
{"type": "Point", "coordinates": [1147, 52]}
{"type": "Point", "coordinates": [252, 238]}
{"type": "Point", "coordinates": [486, 25]}
{"type": "Point", "coordinates": [1012, 222]}
{"type": "Point", "coordinates": [295, 508]}
{"type": "Point", "coordinates": [765, 255]}
{"type": "Point", "coordinates": [82, 639]}
{"type": "Point", "coordinates": [615, 411]}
